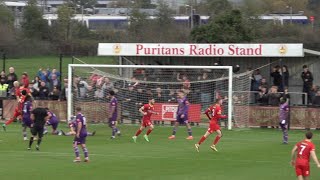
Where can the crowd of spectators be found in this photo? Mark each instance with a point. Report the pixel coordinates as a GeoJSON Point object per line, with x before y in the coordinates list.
{"type": "Point", "coordinates": [45, 86]}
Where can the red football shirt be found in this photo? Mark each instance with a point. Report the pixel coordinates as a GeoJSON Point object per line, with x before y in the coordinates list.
{"type": "Point", "coordinates": [215, 111]}
{"type": "Point", "coordinates": [303, 152]}
{"type": "Point", "coordinates": [149, 109]}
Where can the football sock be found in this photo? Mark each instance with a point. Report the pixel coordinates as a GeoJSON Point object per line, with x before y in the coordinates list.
{"type": "Point", "coordinates": [39, 141]}
{"type": "Point", "coordinates": [31, 141]}
{"type": "Point", "coordinates": [85, 152]}
{"type": "Point", "coordinates": [76, 151]}
{"type": "Point", "coordinates": [216, 140]}
{"type": "Point", "coordinates": [114, 131]}
{"type": "Point", "coordinates": [190, 132]}
{"type": "Point", "coordinates": [138, 132]}
{"type": "Point", "coordinates": [202, 139]}
{"type": "Point", "coordinates": [24, 132]}
{"type": "Point", "coordinates": [149, 131]}
{"type": "Point", "coordinates": [174, 131]}
{"type": "Point", "coordinates": [9, 121]}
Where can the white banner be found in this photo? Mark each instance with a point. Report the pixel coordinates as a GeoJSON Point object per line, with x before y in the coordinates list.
{"type": "Point", "coordinates": [201, 50]}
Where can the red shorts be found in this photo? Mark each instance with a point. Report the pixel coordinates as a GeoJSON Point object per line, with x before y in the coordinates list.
{"type": "Point", "coordinates": [146, 123]}
{"type": "Point", "coordinates": [302, 170]}
{"type": "Point", "coordinates": [213, 127]}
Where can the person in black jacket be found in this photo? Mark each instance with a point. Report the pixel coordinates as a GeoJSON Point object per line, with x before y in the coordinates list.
{"type": "Point", "coordinates": [307, 79]}
{"type": "Point", "coordinates": [285, 76]}
{"type": "Point", "coordinates": [277, 78]}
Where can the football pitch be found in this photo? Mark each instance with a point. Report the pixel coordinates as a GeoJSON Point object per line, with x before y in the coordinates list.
{"type": "Point", "coordinates": [252, 154]}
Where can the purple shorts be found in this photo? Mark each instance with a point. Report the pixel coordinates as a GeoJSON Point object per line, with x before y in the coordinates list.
{"type": "Point", "coordinates": [112, 122]}
{"type": "Point", "coordinates": [182, 120]}
{"type": "Point", "coordinates": [54, 125]}
{"type": "Point", "coordinates": [80, 140]}
{"type": "Point", "coordinates": [26, 122]}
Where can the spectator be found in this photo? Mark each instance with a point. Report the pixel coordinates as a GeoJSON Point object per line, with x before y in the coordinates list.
{"type": "Point", "coordinates": [54, 71]}
{"type": "Point", "coordinates": [263, 83]}
{"type": "Point", "coordinates": [107, 85]}
{"type": "Point", "coordinates": [286, 94]}
{"type": "Point", "coordinates": [43, 91]}
{"type": "Point", "coordinates": [25, 80]}
{"type": "Point", "coordinates": [185, 81]}
{"type": "Point", "coordinates": [274, 96]}
{"type": "Point", "coordinates": [12, 77]}
{"type": "Point", "coordinates": [94, 78]}
{"type": "Point", "coordinates": [316, 99]}
{"type": "Point", "coordinates": [257, 77]}
{"type": "Point", "coordinates": [99, 94]}
{"type": "Point", "coordinates": [82, 88]}
{"type": "Point", "coordinates": [64, 91]}
{"type": "Point", "coordinates": [277, 78]}
{"type": "Point", "coordinates": [3, 76]}
{"type": "Point", "coordinates": [285, 75]}
{"type": "Point", "coordinates": [54, 95]}
{"type": "Point", "coordinates": [262, 97]}
{"type": "Point", "coordinates": [3, 88]}
{"type": "Point", "coordinates": [172, 96]}
{"type": "Point", "coordinates": [160, 96]}
{"type": "Point", "coordinates": [307, 79]}
{"type": "Point", "coordinates": [54, 82]}
{"type": "Point", "coordinates": [130, 102]}
{"type": "Point", "coordinates": [35, 87]}
{"type": "Point", "coordinates": [44, 75]}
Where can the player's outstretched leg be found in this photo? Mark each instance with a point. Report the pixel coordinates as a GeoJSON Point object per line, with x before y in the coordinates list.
{"type": "Point", "coordinates": [202, 139]}
{"type": "Point", "coordinates": [91, 134]}
{"type": "Point", "coordinates": [216, 140]}
{"type": "Point", "coordinates": [148, 132]}
{"type": "Point", "coordinates": [190, 137]}
{"type": "Point", "coordinates": [174, 131]}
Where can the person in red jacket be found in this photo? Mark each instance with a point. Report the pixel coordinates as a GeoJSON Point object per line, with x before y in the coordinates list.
{"type": "Point", "coordinates": [25, 80]}
{"type": "Point", "coordinates": [214, 113]}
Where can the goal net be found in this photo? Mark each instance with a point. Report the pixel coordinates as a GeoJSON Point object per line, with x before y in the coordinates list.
{"type": "Point", "coordinates": [89, 85]}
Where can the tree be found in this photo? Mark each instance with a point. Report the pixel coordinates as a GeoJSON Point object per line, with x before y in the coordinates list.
{"type": "Point", "coordinates": [138, 23]}
{"type": "Point", "coordinates": [228, 27]}
{"type": "Point", "coordinates": [284, 6]}
{"type": "Point", "coordinates": [62, 29]}
{"type": "Point", "coordinates": [6, 16]}
{"type": "Point", "coordinates": [213, 7]}
{"type": "Point", "coordinates": [7, 35]}
{"type": "Point", "coordinates": [145, 4]}
{"type": "Point", "coordinates": [33, 25]}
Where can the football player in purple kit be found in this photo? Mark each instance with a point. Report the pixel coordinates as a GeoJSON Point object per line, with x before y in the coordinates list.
{"type": "Point", "coordinates": [53, 122]}
{"type": "Point", "coordinates": [113, 113]}
{"type": "Point", "coordinates": [80, 137]}
{"type": "Point", "coordinates": [283, 118]}
{"type": "Point", "coordinates": [26, 116]}
{"type": "Point", "coordinates": [182, 115]}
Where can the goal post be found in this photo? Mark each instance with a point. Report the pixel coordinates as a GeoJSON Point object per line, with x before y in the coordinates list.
{"type": "Point", "coordinates": [80, 76]}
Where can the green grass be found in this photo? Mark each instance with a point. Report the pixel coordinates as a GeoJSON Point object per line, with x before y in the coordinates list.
{"type": "Point", "coordinates": [32, 65]}
{"type": "Point", "coordinates": [245, 154]}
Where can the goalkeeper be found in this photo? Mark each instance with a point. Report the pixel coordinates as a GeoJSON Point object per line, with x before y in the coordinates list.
{"type": "Point", "coordinates": [283, 118]}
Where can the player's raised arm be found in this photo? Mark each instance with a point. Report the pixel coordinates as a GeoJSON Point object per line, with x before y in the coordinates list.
{"type": "Point", "coordinates": [314, 157]}
{"type": "Point", "coordinates": [293, 155]}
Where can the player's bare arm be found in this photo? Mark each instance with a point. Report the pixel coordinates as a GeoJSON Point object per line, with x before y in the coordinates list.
{"type": "Point", "coordinates": [141, 111]}
{"type": "Point", "coordinates": [293, 155]}
{"type": "Point", "coordinates": [79, 129]}
{"type": "Point", "coordinates": [314, 157]}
